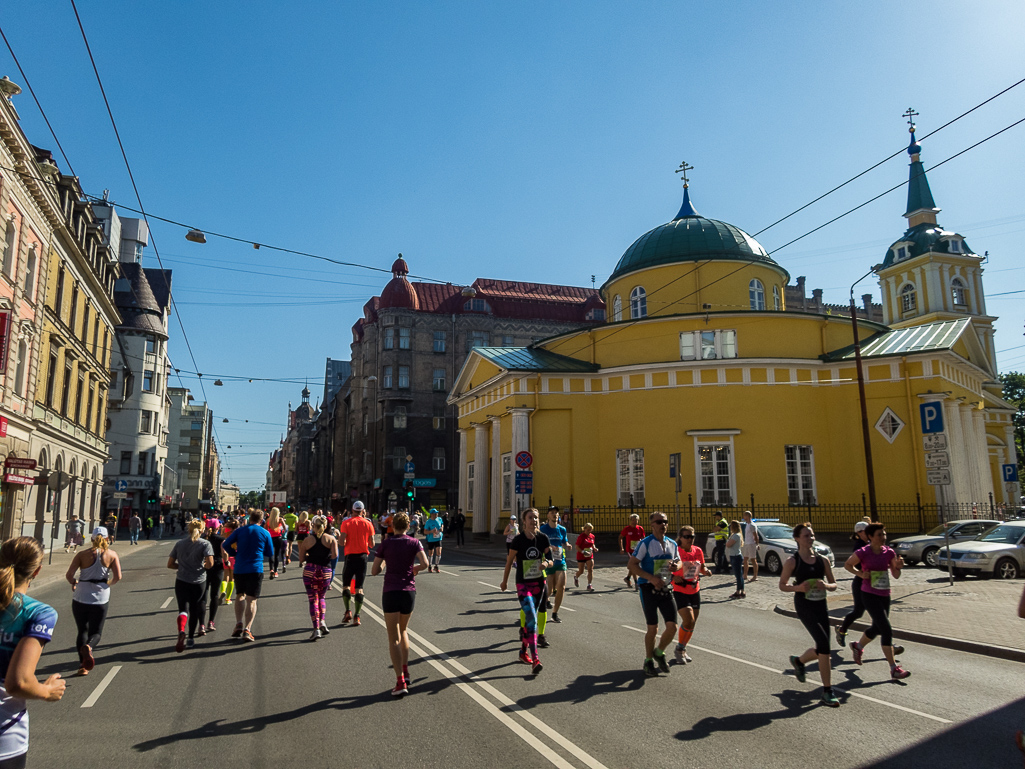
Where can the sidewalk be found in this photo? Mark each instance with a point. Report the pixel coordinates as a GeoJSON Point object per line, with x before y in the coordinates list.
{"type": "Point", "coordinates": [973, 615]}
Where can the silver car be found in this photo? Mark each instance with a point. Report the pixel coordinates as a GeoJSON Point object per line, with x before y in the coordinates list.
{"type": "Point", "coordinates": [923, 548]}
{"type": "Point", "coordinates": [998, 552]}
{"type": "Point", "coordinates": [775, 544]}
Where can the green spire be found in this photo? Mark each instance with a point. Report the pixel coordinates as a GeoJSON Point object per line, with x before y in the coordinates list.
{"type": "Point", "coordinates": [919, 194]}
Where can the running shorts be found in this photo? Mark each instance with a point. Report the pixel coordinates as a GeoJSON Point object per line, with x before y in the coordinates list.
{"type": "Point", "coordinates": [684, 600]}
{"type": "Point", "coordinates": [291, 536]}
{"type": "Point", "coordinates": [433, 545]}
{"type": "Point", "coordinates": [400, 601]}
{"type": "Point", "coordinates": [249, 584]}
{"type": "Point", "coordinates": [558, 566]}
{"type": "Point", "coordinates": [657, 602]}
{"type": "Point", "coordinates": [355, 567]}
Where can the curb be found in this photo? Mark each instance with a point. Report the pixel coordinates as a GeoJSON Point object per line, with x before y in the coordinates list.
{"type": "Point", "coordinates": [957, 644]}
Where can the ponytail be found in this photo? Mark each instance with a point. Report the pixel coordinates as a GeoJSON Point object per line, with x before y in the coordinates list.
{"type": "Point", "coordinates": [319, 525]}
{"type": "Point", "coordinates": [195, 529]}
{"type": "Point", "coordinates": [20, 558]}
{"type": "Point", "coordinates": [100, 542]}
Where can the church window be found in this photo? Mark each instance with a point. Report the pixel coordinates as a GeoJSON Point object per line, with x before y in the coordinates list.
{"type": "Point", "coordinates": [617, 308]}
{"type": "Point", "coordinates": [630, 476]}
{"type": "Point", "coordinates": [756, 294]}
{"type": "Point", "coordinates": [908, 298]}
{"type": "Point", "coordinates": [708, 345]}
{"type": "Point", "coordinates": [955, 246]}
{"type": "Point", "coordinates": [715, 473]}
{"type": "Point", "coordinates": [957, 290]}
{"type": "Point", "coordinates": [638, 303]}
{"type": "Point", "coordinates": [800, 475]}
{"type": "Point", "coordinates": [775, 298]}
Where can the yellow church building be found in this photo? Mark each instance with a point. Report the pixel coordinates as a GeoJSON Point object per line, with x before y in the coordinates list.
{"type": "Point", "coordinates": [699, 368]}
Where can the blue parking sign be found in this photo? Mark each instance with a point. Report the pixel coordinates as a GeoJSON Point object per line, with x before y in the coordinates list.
{"type": "Point", "coordinates": [932, 417]}
{"type": "Point", "coordinates": [1010, 473]}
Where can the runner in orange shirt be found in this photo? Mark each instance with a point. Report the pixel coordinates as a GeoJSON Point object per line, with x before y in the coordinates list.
{"type": "Point", "coordinates": [356, 536]}
{"type": "Point", "coordinates": [687, 588]}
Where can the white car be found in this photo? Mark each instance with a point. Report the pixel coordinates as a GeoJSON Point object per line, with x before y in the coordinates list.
{"type": "Point", "coordinates": [999, 552]}
{"type": "Point", "coordinates": [776, 544]}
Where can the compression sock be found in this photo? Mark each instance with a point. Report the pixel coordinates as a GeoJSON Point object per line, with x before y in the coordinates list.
{"type": "Point", "coordinates": [346, 597]}
{"type": "Point", "coordinates": [542, 622]}
{"type": "Point", "coordinates": [182, 619]}
{"type": "Point", "coordinates": [685, 636]}
{"type": "Point", "coordinates": [231, 591]}
{"type": "Point", "coordinates": [359, 604]}
{"type": "Point", "coordinates": [223, 587]}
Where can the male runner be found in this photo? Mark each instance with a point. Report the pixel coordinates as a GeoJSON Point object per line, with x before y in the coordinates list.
{"type": "Point", "coordinates": [557, 538]}
{"type": "Point", "coordinates": [434, 532]}
{"type": "Point", "coordinates": [291, 519]}
{"type": "Point", "coordinates": [356, 537]}
{"type": "Point", "coordinates": [652, 563]}
{"type": "Point", "coordinates": [250, 545]}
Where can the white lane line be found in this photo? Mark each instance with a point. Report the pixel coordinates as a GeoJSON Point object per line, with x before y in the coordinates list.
{"type": "Point", "coordinates": [837, 688]}
{"type": "Point", "coordinates": [488, 585]}
{"type": "Point", "coordinates": [446, 571]}
{"type": "Point", "coordinates": [564, 607]}
{"type": "Point", "coordinates": [167, 603]}
{"type": "Point", "coordinates": [91, 700]}
{"type": "Point", "coordinates": [509, 723]}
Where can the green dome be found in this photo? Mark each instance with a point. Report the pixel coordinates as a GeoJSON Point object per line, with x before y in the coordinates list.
{"type": "Point", "coordinates": [691, 237]}
{"type": "Point", "coordinates": [926, 238]}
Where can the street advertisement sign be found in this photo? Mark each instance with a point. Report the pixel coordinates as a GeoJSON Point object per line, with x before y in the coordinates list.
{"type": "Point", "coordinates": [277, 497]}
{"type": "Point", "coordinates": [20, 463]}
{"type": "Point", "coordinates": [24, 480]}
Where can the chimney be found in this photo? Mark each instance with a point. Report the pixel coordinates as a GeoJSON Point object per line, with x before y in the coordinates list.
{"type": "Point", "coordinates": [866, 300]}
{"type": "Point", "coordinates": [816, 294]}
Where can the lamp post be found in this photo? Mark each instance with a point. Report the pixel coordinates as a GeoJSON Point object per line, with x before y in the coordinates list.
{"type": "Point", "coordinates": [866, 435]}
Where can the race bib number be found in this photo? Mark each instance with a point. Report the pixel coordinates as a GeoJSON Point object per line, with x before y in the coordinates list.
{"type": "Point", "coordinates": [532, 569]}
{"type": "Point", "coordinates": [662, 568]}
{"type": "Point", "coordinates": [816, 592]}
{"type": "Point", "coordinates": [557, 553]}
{"type": "Point", "coordinates": [879, 580]}
{"type": "Point", "coordinates": [690, 570]}
{"type": "Point", "coordinates": [587, 552]}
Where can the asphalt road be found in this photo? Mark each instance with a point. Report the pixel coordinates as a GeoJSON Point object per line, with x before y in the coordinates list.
{"type": "Point", "coordinates": [285, 701]}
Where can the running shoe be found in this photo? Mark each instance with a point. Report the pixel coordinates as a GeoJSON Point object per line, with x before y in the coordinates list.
{"type": "Point", "coordinates": [536, 666]}
{"type": "Point", "coordinates": [211, 627]}
{"type": "Point", "coordinates": [681, 654]}
{"type": "Point", "coordinates": [88, 662]}
{"type": "Point", "coordinates": [897, 673]}
{"type": "Point", "coordinates": [525, 658]}
{"type": "Point", "coordinates": [316, 634]}
{"type": "Point", "coordinates": [190, 643]}
{"type": "Point", "coordinates": [283, 569]}
{"type": "Point", "coordinates": [202, 629]}
{"type": "Point", "coordinates": [857, 651]}
{"type": "Point", "coordinates": [627, 581]}
{"type": "Point", "coordinates": [841, 637]}
{"type": "Point", "coordinates": [247, 635]}
{"type": "Point", "coordinates": [347, 618]}
{"type": "Point", "coordinates": [555, 618]}
{"type": "Point", "coordinates": [829, 699]}
{"type": "Point", "coordinates": [590, 589]}
{"type": "Point", "coordinates": [898, 649]}
{"type": "Point", "coordinates": [576, 581]}
{"type": "Point", "coordinates": [542, 642]}
{"type": "Point", "coordinates": [83, 672]}
{"type": "Point", "coordinates": [798, 668]}
{"type": "Point", "coordinates": [437, 570]}
{"type": "Point", "coordinates": [649, 668]}
{"type": "Point", "coordinates": [273, 575]}
{"type": "Point", "coordinates": [288, 561]}
{"type": "Point", "coordinates": [180, 646]}
{"type": "Point", "coordinates": [548, 605]}
{"type": "Point", "coordinates": [324, 629]}
{"type": "Point", "coordinates": [401, 688]}
{"type": "Point", "coordinates": [356, 622]}
{"type": "Point", "coordinates": [662, 662]}
{"type": "Point", "coordinates": [237, 632]}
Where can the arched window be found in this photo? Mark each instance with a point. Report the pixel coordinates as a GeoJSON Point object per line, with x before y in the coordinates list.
{"type": "Point", "coordinates": [638, 303]}
{"type": "Point", "coordinates": [908, 300]}
{"type": "Point", "coordinates": [775, 298]}
{"type": "Point", "coordinates": [756, 293]}
{"type": "Point", "coordinates": [957, 291]}
{"type": "Point", "coordinates": [617, 308]}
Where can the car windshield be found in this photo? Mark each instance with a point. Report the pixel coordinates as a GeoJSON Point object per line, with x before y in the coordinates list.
{"type": "Point", "coordinates": [778, 531]}
{"type": "Point", "coordinates": [938, 531]}
{"type": "Point", "coordinates": [1008, 535]}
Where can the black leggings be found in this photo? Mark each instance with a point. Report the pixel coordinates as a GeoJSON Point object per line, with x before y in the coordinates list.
{"type": "Point", "coordinates": [859, 606]}
{"type": "Point", "coordinates": [213, 587]}
{"type": "Point", "coordinates": [815, 618]}
{"type": "Point", "coordinates": [89, 618]}
{"type": "Point", "coordinates": [190, 602]}
{"type": "Point", "coordinates": [878, 608]}
{"type": "Point", "coordinates": [279, 553]}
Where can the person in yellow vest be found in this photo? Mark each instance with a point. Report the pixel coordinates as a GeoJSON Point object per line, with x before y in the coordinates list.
{"type": "Point", "coordinates": [722, 532]}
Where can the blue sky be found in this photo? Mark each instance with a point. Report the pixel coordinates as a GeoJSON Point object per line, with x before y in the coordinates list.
{"type": "Point", "coordinates": [528, 141]}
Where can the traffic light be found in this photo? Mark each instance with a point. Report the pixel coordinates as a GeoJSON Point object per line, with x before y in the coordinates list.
{"type": "Point", "coordinates": [408, 486]}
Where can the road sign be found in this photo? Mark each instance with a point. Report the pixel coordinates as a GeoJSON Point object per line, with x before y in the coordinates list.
{"type": "Point", "coordinates": [24, 480]}
{"type": "Point", "coordinates": [424, 483]}
{"type": "Point", "coordinates": [20, 463]}
{"type": "Point", "coordinates": [932, 417]}
{"type": "Point", "coordinates": [410, 467]}
{"type": "Point", "coordinates": [1009, 473]}
{"type": "Point", "coordinates": [276, 497]}
{"type": "Point", "coordinates": [120, 495]}
{"type": "Point", "coordinates": [525, 485]}
{"type": "Point", "coordinates": [937, 459]}
{"type": "Point", "coordinates": [934, 442]}
{"type": "Point", "coordinates": [408, 476]}
{"type": "Point", "coordinates": [120, 485]}
{"type": "Point", "coordinates": [938, 477]}
{"type": "Point", "coordinates": [524, 460]}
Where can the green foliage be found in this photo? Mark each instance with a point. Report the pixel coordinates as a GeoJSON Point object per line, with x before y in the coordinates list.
{"type": "Point", "coordinates": [1014, 393]}
{"type": "Point", "coordinates": [250, 499]}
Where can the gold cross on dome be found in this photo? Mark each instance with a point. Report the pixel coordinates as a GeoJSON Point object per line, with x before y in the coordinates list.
{"type": "Point", "coordinates": [910, 114]}
{"type": "Point", "coordinates": [683, 169]}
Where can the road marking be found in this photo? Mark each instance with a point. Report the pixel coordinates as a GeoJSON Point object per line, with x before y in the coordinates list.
{"type": "Point", "coordinates": [488, 585]}
{"type": "Point", "coordinates": [446, 571]}
{"type": "Point", "coordinates": [91, 700]}
{"type": "Point", "coordinates": [167, 603]}
{"type": "Point", "coordinates": [836, 688]}
{"type": "Point", "coordinates": [565, 608]}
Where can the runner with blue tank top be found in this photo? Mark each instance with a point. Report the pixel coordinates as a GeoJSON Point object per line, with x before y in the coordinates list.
{"type": "Point", "coordinates": [435, 532]}
{"type": "Point", "coordinates": [26, 625]}
{"type": "Point", "coordinates": [652, 564]}
{"type": "Point", "coordinates": [557, 537]}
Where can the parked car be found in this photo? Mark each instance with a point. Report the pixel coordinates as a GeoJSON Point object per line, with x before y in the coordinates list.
{"type": "Point", "coordinates": [775, 546]}
{"type": "Point", "coordinates": [999, 552]}
{"type": "Point", "coordinates": [923, 548]}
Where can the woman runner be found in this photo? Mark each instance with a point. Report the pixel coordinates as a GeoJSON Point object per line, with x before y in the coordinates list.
{"type": "Point", "coordinates": [316, 554]}
{"type": "Point", "coordinates": [100, 570]}
{"type": "Point", "coordinates": [511, 530]}
{"type": "Point", "coordinates": [812, 577]}
{"type": "Point", "coordinates": [530, 549]}
{"type": "Point", "coordinates": [629, 538]}
{"type": "Point", "coordinates": [276, 528]}
{"type": "Point", "coordinates": [190, 556]}
{"type": "Point", "coordinates": [214, 575]}
{"type": "Point", "coordinates": [403, 558]}
{"type": "Point", "coordinates": [687, 588]}
{"type": "Point", "coordinates": [228, 583]}
{"type": "Point", "coordinates": [585, 556]}
{"type": "Point", "coordinates": [875, 563]}
{"type": "Point", "coordinates": [26, 625]}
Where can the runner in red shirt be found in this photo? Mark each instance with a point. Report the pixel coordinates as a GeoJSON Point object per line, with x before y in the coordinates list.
{"type": "Point", "coordinates": [629, 537]}
{"type": "Point", "coordinates": [687, 588]}
{"type": "Point", "coordinates": [585, 556]}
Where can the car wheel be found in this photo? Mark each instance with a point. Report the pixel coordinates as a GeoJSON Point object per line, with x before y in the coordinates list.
{"type": "Point", "coordinates": [773, 564]}
{"type": "Point", "coordinates": [929, 557]}
{"type": "Point", "coordinates": [1006, 568]}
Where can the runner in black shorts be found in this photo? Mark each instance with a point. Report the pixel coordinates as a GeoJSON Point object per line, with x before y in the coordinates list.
{"type": "Point", "coordinates": [355, 539]}
{"type": "Point", "coordinates": [652, 563]}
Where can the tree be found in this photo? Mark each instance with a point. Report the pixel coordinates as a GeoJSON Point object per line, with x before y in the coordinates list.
{"type": "Point", "coordinates": [1014, 393]}
{"type": "Point", "coordinates": [250, 499]}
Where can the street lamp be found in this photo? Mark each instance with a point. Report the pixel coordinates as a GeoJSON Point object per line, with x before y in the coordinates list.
{"type": "Point", "coordinates": [866, 435]}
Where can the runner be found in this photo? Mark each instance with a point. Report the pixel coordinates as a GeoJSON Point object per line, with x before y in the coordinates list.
{"type": "Point", "coordinates": [228, 583]}
{"type": "Point", "coordinates": [291, 519]}
{"type": "Point", "coordinates": [26, 625]}
{"type": "Point", "coordinates": [276, 528]}
{"type": "Point", "coordinates": [628, 539]}
{"type": "Point", "coordinates": [302, 526]}
{"type": "Point", "coordinates": [860, 540]}
{"type": "Point", "coordinates": [530, 549]}
{"type": "Point", "coordinates": [652, 563]}
{"type": "Point", "coordinates": [191, 557]}
{"type": "Point", "coordinates": [812, 577]}
{"type": "Point", "coordinates": [687, 588]}
{"type": "Point", "coordinates": [214, 575]}
{"type": "Point", "coordinates": [100, 570]}
{"type": "Point", "coordinates": [875, 563]}
{"type": "Point", "coordinates": [434, 533]}
{"type": "Point", "coordinates": [250, 545]}
{"type": "Point", "coordinates": [585, 556]}
{"type": "Point", "coordinates": [403, 558]}
{"type": "Point", "coordinates": [357, 540]}
{"type": "Point", "coordinates": [315, 554]}
{"type": "Point", "coordinates": [511, 530]}
{"type": "Point", "coordinates": [557, 536]}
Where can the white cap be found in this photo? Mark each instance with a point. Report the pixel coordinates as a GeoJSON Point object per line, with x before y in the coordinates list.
{"type": "Point", "coordinates": [357, 505]}
{"type": "Point", "coordinates": [100, 531]}
{"type": "Point", "coordinates": [512, 517]}
{"type": "Point", "coordinates": [860, 526]}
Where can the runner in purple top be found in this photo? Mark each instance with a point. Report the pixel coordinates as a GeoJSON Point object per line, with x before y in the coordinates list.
{"type": "Point", "coordinates": [402, 558]}
{"type": "Point", "coordinates": [875, 564]}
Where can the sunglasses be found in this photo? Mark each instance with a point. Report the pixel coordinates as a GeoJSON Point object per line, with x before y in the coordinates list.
{"type": "Point", "coordinates": [662, 523]}
{"type": "Point", "coordinates": [686, 536]}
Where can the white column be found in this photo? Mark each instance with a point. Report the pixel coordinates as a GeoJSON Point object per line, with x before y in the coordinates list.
{"type": "Point", "coordinates": [971, 448]}
{"type": "Point", "coordinates": [496, 481]}
{"type": "Point", "coordinates": [462, 459]}
{"type": "Point", "coordinates": [982, 456]}
{"type": "Point", "coordinates": [481, 485]}
{"type": "Point", "coordinates": [958, 489]}
{"type": "Point", "coordinates": [520, 442]}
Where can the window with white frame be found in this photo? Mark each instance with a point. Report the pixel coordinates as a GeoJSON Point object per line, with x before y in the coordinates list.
{"type": "Point", "coordinates": [715, 474]}
{"type": "Point", "coordinates": [386, 378]}
{"type": "Point", "coordinates": [389, 338]}
{"type": "Point", "coordinates": [958, 292]}
{"type": "Point", "coordinates": [439, 380]}
{"type": "Point", "coordinates": [756, 294]}
{"type": "Point", "coordinates": [776, 305]}
{"type": "Point", "coordinates": [955, 246]}
{"type": "Point", "coordinates": [900, 253]}
{"type": "Point", "coordinates": [469, 487]}
{"type": "Point", "coordinates": [403, 377]}
{"type": "Point", "coordinates": [405, 337]}
{"type": "Point", "coordinates": [438, 460]}
{"type": "Point", "coordinates": [400, 418]}
{"type": "Point", "coordinates": [889, 425]}
{"type": "Point", "coordinates": [507, 482]}
{"type": "Point", "coordinates": [617, 308]}
{"type": "Point", "coordinates": [708, 345]}
{"type": "Point", "coordinates": [800, 475]}
{"type": "Point", "coordinates": [638, 303]}
{"type": "Point", "coordinates": [630, 477]}
{"type": "Point", "coordinates": [439, 341]}
{"type": "Point", "coordinates": [908, 298]}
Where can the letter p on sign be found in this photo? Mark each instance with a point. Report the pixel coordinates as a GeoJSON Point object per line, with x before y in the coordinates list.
{"type": "Point", "coordinates": [932, 417]}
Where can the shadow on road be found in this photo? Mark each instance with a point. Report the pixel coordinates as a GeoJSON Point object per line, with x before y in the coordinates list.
{"type": "Point", "coordinates": [586, 687]}
{"type": "Point", "coordinates": [795, 704]}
